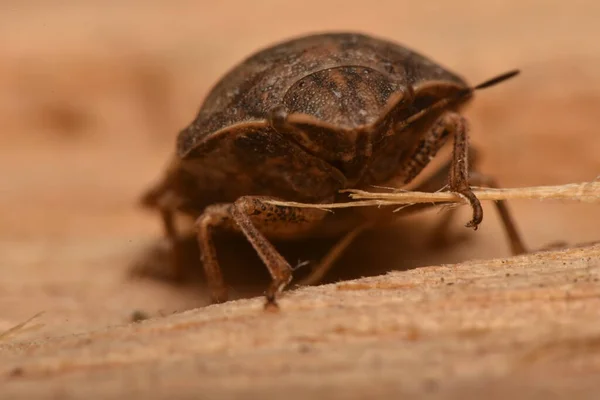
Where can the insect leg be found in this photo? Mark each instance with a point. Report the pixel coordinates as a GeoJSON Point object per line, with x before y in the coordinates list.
{"type": "Point", "coordinates": [516, 242]}
{"type": "Point", "coordinates": [438, 180]}
{"type": "Point", "coordinates": [166, 205]}
{"type": "Point", "coordinates": [212, 217]}
{"type": "Point", "coordinates": [458, 178]}
{"type": "Point", "coordinates": [448, 124]}
{"type": "Point", "coordinates": [333, 255]}
{"type": "Point", "coordinates": [168, 218]}
{"type": "Point", "coordinates": [253, 216]}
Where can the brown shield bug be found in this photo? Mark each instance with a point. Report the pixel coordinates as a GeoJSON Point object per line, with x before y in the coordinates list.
{"type": "Point", "coordinates": [301, 120]}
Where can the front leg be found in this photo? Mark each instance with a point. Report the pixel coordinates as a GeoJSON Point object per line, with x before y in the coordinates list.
{"type": "Point", "coordinates": [438, 181]}
{"type": "Point", "coordinates": [448, 124]}
{"type": "Point", "coordinates": [254, 218]}
{"type": "Point", "coordinates": [458, 180]}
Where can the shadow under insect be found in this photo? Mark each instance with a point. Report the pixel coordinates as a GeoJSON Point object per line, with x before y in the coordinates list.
{"type": "Point", "coordinates": [410, 242]}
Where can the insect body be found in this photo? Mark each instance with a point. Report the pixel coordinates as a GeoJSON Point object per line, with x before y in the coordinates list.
{"type": "Point", "coordinates": [301, 120]}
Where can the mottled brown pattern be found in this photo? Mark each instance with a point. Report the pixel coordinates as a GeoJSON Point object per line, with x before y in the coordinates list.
{"type": "Point", "coordinates": [270, 73]}
{"type": "Point", "coordinates": [337, 94]}
{"type": "Point", "coordinates": [255, 160]}
{"type": "Point", "coordinates": [299, 121]}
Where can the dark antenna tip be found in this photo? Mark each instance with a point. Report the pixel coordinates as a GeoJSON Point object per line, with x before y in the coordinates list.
{"type": "Point", "coordinates": [497, 79]}
{"type": "Point", "coordinates": [460, 95]}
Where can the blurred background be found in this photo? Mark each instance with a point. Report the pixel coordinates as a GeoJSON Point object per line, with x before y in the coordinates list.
{"type": "Point", "coordinates": [93, 93]}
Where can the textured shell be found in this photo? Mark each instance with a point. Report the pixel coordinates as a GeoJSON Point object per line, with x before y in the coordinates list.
{"type": "Point", "coordinates": [249, 91]}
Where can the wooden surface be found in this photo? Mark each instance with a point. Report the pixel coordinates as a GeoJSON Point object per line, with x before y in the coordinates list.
{"type": "Point", "coordinates": [91, 98]}
{"type": "Point", "coordinates": [525, 327]}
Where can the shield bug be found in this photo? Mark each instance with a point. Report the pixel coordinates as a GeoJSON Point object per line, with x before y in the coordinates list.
{"type": "Point", "coordinates": [302, 120]}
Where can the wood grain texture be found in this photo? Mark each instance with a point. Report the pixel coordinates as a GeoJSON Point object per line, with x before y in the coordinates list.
{"type": "Point", "coordinates": [523, 325]}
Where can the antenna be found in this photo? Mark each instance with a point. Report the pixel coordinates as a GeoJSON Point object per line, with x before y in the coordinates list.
{"type": "Point", "coordinates": [497, 79]}
{"type": "Point", "coordinates": [460, 95]}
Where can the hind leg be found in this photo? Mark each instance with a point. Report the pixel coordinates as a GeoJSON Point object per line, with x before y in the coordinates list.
{"type": "Point", "coordinates": [332, 256]}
